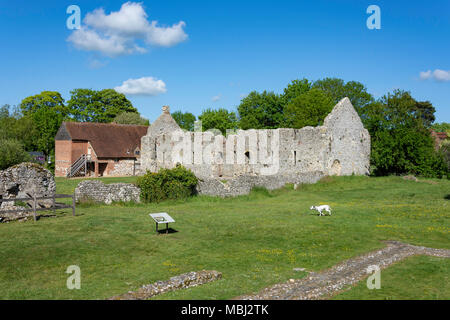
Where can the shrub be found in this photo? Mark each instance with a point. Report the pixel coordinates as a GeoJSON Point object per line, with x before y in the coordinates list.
{"type": "Point", "coordinates": [11, 153]}
{"type": "Point", "coordinates": [176, 183]}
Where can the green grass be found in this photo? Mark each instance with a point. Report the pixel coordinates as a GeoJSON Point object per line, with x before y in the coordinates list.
{"type": "Point", "coordinates": [419, 278]}
{"type": "Point", "coordinates": [67, 186]}
{"type": "Point", "coordinates": [254, 240]}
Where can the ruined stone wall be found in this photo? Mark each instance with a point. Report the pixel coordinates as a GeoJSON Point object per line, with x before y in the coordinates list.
{"type": "Point", "coordinates": [97, 191]}
{"type": "Point", "coordinates": [270, 158]}
{"type": "Point", "coordinates": [24, 181]}
{"type": "Point", "coordinates": [340, 147]}
{"type": "Point", "coordinates": [245, 183]}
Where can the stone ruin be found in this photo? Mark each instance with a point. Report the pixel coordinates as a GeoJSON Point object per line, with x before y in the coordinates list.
{"type": "Point", "coordinates": [97, 191]}
{"type": "Point", "coordinates": [270, 158]}
{"type": "Point", "coordinates": [23, 181]}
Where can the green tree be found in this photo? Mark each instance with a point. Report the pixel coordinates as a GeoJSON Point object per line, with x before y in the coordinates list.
{"type": "Point", "coordinates": [45, 99]}
{"type": "Point", "coordinates": [425, 110]}
{"type": "Point", "coordinates": [294, 89]}
{"type": "Point", "coordinates": [400, 141]}
{"type": "Point", "coordinates": [11, 153]}
{"type": "Point", "coordinates": [47, 122]}
{"type": "Point", "coordinates": [220, 119]}
{"type": "Point", "coordinates": [15, 126]}
{"type": "Point", "coordinates": [87, 105]}
{"type": "Point", "coordinates": [338, 89]}
{"type": "Point", "coordinates": [46, 111]}
{"type": "Point", "coordinates": [308, 109]}
{"type": "Point", "coordinates": [185, 120]}
{"type": "Point", "coordinates": [131, 118]}
{"type": "Point", "coordinates": [4, 111]}
{"type": "Point", "coordinates": [441, 127]}
{"type": "Point", "coordinates": [261, 111]}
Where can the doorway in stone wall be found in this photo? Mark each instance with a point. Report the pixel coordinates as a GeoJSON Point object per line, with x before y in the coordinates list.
{"type": "Point", "coordinates": [102, 169]}
{"type": "Point", "coordinates": [336, 168]}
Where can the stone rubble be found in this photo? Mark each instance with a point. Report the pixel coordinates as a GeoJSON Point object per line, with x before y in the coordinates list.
{"type": "Point", "coordinates": [326, 283]}
{"type": "Point", "coordinates": [23, 181]}
{"type": "Point", "coordinates": [183, 281]}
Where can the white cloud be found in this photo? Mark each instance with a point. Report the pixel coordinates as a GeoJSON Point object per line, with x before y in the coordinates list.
{"type": "Point", "coordinates": [216, 98]}
{"type": "Point", "coordinates": [147, 86]}
{"type": "Point", "coordinates": [166, 37]}
{"type": "Point", "coordinates": [424, 75]}
{"type": "Point", "coordinates": [116, 33]}
{"type": "Point", "coordinates": [89, 40]}
{"type": "Point", "coordinates": [438, 75]}
{"type": "Point", "coordinates": [130, 20]}
{"type": "Point", "coordinates": [441, 75]}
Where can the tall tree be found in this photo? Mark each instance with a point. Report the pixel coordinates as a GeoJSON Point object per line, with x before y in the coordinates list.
{"type": "Point", "coordinates": [15, 126]}
{"type": "Point", "coordinates": [47, 122]}
{"type": "Point", "coordinates": [294, 89]}
{"type": "Point", "coordinates": [261, 111]}
{"type": "Point", "coordinates": [46, 111]}
{"type": "Point", "coordinates": [11, 153]}
{"type": "Point", "coordinates": [400, 141]}
{"type": "Point", "coordinates": [131, 118]}
{"type": "Point", "coordinates": [185, 120]}
{"type": "Point", "coordinates": [45, 99]}
{"type": "Point", "coordinates": [220, 119]}
{"type": "Point", "coordinates": [338, 89]}
{"type": "Point", "coordinates": [89, 105]}
{"type": "Point", "coordinates": [4, 111]}
{"type": "Point", "coordinates": [308, 109]}
{"type": "Point", "coordinates": [426, 111]}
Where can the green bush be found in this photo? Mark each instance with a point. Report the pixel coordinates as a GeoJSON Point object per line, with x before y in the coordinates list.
{"type": "Point", "coordinates": [11, 153]}
{"type": "Point", "coordinates": [176, 183]}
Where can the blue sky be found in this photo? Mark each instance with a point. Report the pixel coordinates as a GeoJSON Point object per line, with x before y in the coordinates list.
{"type": "Point", "coordinates": [204, 54]}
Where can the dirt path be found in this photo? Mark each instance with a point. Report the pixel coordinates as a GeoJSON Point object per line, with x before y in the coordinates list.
{"type": "Point", "coordinates": [325, 283]}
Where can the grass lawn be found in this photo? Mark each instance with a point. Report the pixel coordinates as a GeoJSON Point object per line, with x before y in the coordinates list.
{"type": "Point", "coordinates": [418, 277]}
{"type": "Point", "coordinates": [254, 240]}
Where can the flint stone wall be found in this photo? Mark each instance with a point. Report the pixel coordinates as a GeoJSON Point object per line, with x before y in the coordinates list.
{"type": "Point", "coordinates": [97, 191]}
{"type": "Point", "coordinates": [243, 184]}
{"type": "Point", "coordinates": [341, 146]}
{"type": "Point", "coordinates": [183, 281]}
{"type": "Point", "coordinates": [23, 181]}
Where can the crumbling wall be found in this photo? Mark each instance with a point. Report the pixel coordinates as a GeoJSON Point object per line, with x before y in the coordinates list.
{"type": "Point", "coordinates": [341, 146]}
{"type": "Point", "coordinates": [349, 148]}
{"type": "Point", "coordinates": [97, 191]}
{"type": "Point", "coordinates": [24, 181]}
{"type": "Point", "coordinates": [244, 184]}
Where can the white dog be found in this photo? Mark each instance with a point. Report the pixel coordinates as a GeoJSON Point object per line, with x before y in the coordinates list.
{"type": "Point", "coordinates": [321, 208]}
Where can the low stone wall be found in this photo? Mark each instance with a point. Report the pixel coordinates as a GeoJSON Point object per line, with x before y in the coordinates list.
{"type": "Point", "coordinates": [97, 191]}
{"type": "Point", "coordinates": [183, 281]}
{"type": "Point", "coordinates": [243, 184]}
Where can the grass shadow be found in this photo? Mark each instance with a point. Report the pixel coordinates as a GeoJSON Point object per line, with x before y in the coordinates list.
{"type": "Point", "coordinates": [167, 231]}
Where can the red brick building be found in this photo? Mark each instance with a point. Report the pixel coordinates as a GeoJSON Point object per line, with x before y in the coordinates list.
{"type": "Point", "coordinates": [97, 149]}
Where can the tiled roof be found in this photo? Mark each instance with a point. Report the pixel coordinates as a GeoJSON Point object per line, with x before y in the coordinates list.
{"type": "Point", "coordinates": [109, 140]}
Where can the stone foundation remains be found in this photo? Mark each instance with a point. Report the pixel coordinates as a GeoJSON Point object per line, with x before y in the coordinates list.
{"type": "Point", "coordinates": [183, 281]}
